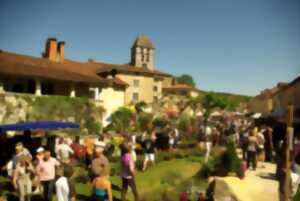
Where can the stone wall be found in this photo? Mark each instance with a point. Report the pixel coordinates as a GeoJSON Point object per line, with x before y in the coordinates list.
{"type": "Point", "coordinates": [25, 107]}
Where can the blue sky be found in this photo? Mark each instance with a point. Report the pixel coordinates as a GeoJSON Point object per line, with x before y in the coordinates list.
{"type": "Point", "coordinates": [239, 46]}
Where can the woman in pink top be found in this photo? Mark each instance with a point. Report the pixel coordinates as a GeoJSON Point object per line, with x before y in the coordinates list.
{"type": "Point", "coordinates": [46, 173]}
{"type": "Point", "coordinates": [128, 172]}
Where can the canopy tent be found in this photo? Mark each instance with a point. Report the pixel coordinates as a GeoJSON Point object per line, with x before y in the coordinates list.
{"type": "Point", "coordinates": [37, 125]}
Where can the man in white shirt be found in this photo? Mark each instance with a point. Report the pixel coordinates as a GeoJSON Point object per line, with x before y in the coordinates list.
{"type": "Point", "coordinates": [63, 151]}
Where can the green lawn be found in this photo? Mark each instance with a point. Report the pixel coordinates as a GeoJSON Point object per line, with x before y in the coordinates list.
{"type": "Point", "coordinates": [168, 177]}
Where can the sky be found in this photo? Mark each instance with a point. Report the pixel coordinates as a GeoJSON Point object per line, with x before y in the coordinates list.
{"type": "Point", "coordinates": [236, 46]}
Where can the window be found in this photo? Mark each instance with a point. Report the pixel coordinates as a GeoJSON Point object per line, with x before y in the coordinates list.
{"type": "Point", "coordinates": [155, 99]}
{"type": "Point", "coordinates": [135, 97]}
{"type": "Point", "coordinates": [136, 83]}
{"type": "Point", "coordinates": [155, 88]}
{"type": "Point", "coordinates": [145, 65]}
{"type": "Point", "coordinates": [143, 57]}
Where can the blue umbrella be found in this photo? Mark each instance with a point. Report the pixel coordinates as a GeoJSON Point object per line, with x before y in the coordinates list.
{"type": "Point", "coordinates": [37, 125]}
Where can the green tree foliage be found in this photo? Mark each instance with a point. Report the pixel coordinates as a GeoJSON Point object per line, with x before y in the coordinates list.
{"type": "Point", "coordinates": [120, 120]}
{"type": "Point", "coordinates": [211, 102]}
{"type": "Point", "coordinates": [140, 106]}
{"type": "Point", "coordinates": [186, 79]}
{"type": "Point", "coordinates": [144, 121]}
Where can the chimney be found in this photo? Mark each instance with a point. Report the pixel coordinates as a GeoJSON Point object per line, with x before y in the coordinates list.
{"type": "Point", "coordinates": [51, 49]}
{"type": "Point", "coordinates": [61, 51]}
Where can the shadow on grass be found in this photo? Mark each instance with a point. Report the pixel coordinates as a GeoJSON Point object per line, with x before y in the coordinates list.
{"type": "Point", "coordinates": [88, 198]}
{"type": "Point", "coordinates": [115, 187]}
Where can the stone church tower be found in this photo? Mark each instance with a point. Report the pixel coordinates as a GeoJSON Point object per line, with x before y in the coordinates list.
{"type": "Point", "coordinates": [142, 53]}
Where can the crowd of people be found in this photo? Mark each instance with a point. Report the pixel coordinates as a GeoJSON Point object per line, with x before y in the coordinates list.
{"type": "Point", "coordinates": [48, 169]}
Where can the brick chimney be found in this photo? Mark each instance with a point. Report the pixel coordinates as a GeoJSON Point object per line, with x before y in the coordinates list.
{"type": "Point", "coordinates": [51, 49]}
{"type": "Point", "coordinates": [61, 51]}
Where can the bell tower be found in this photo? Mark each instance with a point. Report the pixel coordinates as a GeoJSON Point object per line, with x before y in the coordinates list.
{"type": "Point", "coordinates": [142, 53]}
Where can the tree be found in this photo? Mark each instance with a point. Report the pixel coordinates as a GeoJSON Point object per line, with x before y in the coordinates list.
{"type": "Point", "coordinates": [144, 121]}
{"type": "Point", "coordinates": [211, 102]}
{"type": "Point", "coordinates": [186, 79]}
{"type": "Point", "coordinates": [120, 119]}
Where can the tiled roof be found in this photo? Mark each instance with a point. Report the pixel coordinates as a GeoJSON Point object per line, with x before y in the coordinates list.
{"type": "Point", "coordinates": [15, 64]}
{"type": "Point", "coordinates": [180, 87]}
{"type": "Point", "coordinates": [143, 41]}
{"type": "Point", "coordinates": [127, 69]}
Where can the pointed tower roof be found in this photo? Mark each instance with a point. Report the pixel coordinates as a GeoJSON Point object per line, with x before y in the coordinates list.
{"type": "Point", "coordinates": [143, 41]}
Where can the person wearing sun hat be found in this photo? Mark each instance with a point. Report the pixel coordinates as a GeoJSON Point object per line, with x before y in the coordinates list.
{"type": "Point", "coordinates": [99, 160]}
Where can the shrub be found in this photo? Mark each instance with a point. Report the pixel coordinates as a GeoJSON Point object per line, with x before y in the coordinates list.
{"type": "Point", "coordinates": [184, 123]}
{"type": "Point", "coordinates": [160, 122]}
{"type": "Point", "coordinates": [222, 162]}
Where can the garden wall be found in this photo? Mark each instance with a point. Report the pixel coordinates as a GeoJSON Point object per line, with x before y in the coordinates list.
{"type": "Point", "coordinates": [25, 107]}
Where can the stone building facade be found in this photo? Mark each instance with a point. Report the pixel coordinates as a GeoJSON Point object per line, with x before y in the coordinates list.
{"type": "Point", "coordinates": [109, 85]}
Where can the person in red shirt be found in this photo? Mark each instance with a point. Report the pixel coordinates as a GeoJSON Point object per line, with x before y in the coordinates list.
{"type": "Point", "coordinates": [79, 150]}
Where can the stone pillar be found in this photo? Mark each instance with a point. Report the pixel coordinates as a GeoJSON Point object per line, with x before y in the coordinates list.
{"type": "Point", "coordinates": [73, 91]}
{"type": "Point", "coordinates": [38, 87]}
{"type": "Point", "coordinates": [2, 91]}
{"type": "Point", "coordinates": [97, 94]}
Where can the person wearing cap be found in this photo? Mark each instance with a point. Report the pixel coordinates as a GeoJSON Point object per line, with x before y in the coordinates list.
{"type": "Point", "coordinates": [65, 189]}
{"type": "Point", "coordinates": [102, 190]}
{"type": "Point", "coordinates": [22, 178]}
{"type": "Point", "coordinates": [39, 157]}
{"type": "Point", "coordinates": [99, 160]}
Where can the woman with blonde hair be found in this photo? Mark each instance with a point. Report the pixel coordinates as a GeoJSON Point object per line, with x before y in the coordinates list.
{"type": "Point", "coordinates": [102, 186]}
{"type": "Point", "coordinates": [22, 178]}
{"type": "Point", "coordinates": [252, 148]}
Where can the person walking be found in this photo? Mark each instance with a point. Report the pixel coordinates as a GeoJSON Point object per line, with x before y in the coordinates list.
{"type": "Point", "coordinates": [39, 157]}
{"type": "Point", "coordinates": [46, 173]}
{"type": "Point", "coordinates": [100, 161]}
{"type": "Point", "coordinates": [102, 190]}
{"type": "Point", "coordinates": [149, 152]}
{"type": "Point", "coordinates": [22, 178]}
{"type": "Point", "coordinates": [20, 152]}
{"type": "Point", "coordinates": [65, 189]}
{"type": "Point", "coordinates": [244, 142]}
{"type": "Point", "coordinates": [79, 150]}
{"type": "Point", "coordinates": [260, 148]}
{"type": "Point", "coordinates": [128, 172]}
{"type": "Point", "coordinates": [251, 153]}
{"type": "Point", "coordinates": [269, 147]}
{"type": "Point", "coordinates": [63, 151]}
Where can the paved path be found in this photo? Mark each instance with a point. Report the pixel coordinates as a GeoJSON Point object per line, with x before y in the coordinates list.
{"type": "Point", "coordinates": [257, 185]}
